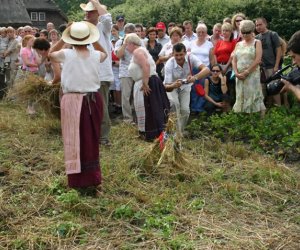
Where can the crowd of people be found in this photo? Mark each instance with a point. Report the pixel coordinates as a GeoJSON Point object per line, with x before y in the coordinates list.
{"type": "Point", "coordinates": [144, 73]}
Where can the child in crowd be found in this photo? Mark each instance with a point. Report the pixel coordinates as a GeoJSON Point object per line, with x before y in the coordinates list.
{"type": "Point", "coordinates": [30, 63]}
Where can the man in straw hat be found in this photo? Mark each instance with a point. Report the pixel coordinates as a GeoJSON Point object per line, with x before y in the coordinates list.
{"type": "Point", "coordinates": [97, 14]}
{"type": "Point", "coordinates": [81, 104]}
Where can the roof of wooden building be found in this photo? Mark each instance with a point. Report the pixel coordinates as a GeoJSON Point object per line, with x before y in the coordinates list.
{"type": "Point", "coordinates": [13, 13]}
{"type": "Point", "coordinates": [44, 5]}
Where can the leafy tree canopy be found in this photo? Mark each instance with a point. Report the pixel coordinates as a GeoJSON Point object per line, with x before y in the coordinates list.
{"type": "Point", "coordinates": [283, 15]}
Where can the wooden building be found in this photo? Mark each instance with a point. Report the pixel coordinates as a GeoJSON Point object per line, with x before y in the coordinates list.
{"type": "Point", "coordinates": [43, 11]}
{"type": "Point", "coordinates": [36, 13]}
{"type": "Point", "coordinates": [13, 13]}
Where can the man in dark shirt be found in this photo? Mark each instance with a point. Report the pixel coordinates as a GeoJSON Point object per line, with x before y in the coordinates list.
{"type": "Point", "coordinates": [271, 51]}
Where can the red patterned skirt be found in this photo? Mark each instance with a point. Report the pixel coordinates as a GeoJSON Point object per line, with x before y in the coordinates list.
{"type": "Point", "coordinates": [89, 129]}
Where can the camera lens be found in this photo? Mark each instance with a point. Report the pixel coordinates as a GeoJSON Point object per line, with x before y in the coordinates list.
{"type": "Point", "coordinates": [273, 88]}
{"type": "Point", "coordinates": [184, 81]}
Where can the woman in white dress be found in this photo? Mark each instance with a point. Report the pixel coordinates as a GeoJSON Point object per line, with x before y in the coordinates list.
{"type": "Point", "coordinates": [246, 59]}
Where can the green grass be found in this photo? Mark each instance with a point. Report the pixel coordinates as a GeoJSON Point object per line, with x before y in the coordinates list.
{"type": "Point", "coordinates": [238, 198]}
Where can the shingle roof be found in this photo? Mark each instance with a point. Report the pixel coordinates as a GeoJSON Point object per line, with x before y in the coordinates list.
{"type": "Point", "coordinates": [41, 4]}
{"type": "Point", "coordinates": [45, 5]}
{"type": "Point", "coordinates": [13, 13]}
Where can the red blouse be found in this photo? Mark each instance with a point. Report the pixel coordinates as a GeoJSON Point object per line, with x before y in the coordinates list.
{"type": "Point", "coordinates": [223, 50]}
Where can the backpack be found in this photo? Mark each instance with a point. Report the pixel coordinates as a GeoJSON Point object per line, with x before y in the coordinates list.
{"type": "Point", "coordinates": [282, 46]}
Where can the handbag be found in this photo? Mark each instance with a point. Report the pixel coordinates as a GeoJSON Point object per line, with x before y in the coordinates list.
{"type": "Point", "coordinates": [200, 91]}
{"type": "Point", "coordinates": [198, 86]}
{"type": "Point", "coordinates": [263, 77]}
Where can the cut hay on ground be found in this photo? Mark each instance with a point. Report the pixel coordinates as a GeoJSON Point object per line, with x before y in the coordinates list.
{"type": "Point", "coordinates": [237, 200]}
{"type": "Point", "coordinates": [32, 88]}
{"type": "Point", "coordinates": [167, 158]}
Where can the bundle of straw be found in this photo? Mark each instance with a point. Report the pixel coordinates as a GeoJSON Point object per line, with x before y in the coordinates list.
{"type": "Point", "coordinates": [169, 159]}
{"type": "Point", "coordinates": [32, 88]}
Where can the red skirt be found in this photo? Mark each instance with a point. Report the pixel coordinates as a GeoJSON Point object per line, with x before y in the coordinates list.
{"type": "Point", "coordinates": [89, 129]}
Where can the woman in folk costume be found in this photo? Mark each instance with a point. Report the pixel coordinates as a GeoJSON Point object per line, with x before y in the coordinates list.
{"type": "Point", "coordinates": [81, 104]}
{"type": "Point", "coordinates": [151, 102]}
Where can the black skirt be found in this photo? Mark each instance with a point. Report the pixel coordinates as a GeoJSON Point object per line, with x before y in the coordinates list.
{"type": "Point", "coordinates": [157, 108]}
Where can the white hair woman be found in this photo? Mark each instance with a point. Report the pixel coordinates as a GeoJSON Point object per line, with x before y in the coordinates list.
{"type": "Point", "coordinates": [201, 47]}
{"type": "Point", "coordinates": [150, 99]}
{"type": "Point", "coordinates": [203, 50]}
{"type": "Point", "coordinates": [81, 104]}
{"type": "Point", "coordinates": [246, 59]}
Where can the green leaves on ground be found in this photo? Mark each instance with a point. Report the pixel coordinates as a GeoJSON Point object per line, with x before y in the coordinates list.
{"type": "Point", "coordinates": [278, 133]}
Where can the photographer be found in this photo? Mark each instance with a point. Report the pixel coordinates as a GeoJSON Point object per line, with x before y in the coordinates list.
{"type": "Point", "coordinates": [294, 50]}
{"type": "Point", "coordinates": [179, 79]}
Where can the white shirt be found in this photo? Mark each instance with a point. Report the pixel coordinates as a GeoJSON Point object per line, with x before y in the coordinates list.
{"type": "Point", "coordinates": [187, 40]}
{"type": "Point", "coordinates": [235, 34]}
{"type": "Point", "coordinates": [163, 40]}
{"type": "Point", "coordinates": [104, 26]}
{"type": "Point", "coordinates": [80, 75]}
{"type": "Point", "coordinates": [166, 50]}
{"type": "Point", "coordinates": [173, 71]}
{"type": "Point", "coordinates": [124, 61]}
{"type": "Point", "coordinates": [19, 39]}
{"type": "Point", "coordinates": [202, 51]}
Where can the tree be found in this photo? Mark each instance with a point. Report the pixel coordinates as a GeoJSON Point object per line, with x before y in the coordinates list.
{"type": "Point", "coordinates": [283, 15]}
{"type": "Point", "coordinates": [73, 11]}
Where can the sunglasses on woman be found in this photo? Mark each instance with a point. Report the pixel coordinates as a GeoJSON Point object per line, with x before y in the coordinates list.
{"type": "Point", "coordinates": [246, 32]}
{"type": "Point", "coordinates": [215, 71]}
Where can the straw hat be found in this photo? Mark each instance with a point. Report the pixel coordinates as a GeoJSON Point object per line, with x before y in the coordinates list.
{"type": "Point", "coordinates": [81, 33]}
{"type": "Point", "coordinates": [87, 7]}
